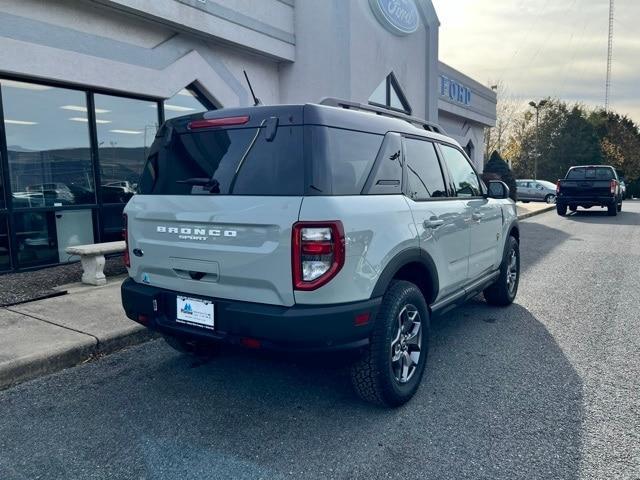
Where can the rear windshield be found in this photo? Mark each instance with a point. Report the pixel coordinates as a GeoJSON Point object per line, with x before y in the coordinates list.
{"type": "Point", "coordinates": [227, 162]}
{"type": "Point", "coordinates": [591, 173]}
{"type": "Point", "coordinates": [244, 162]}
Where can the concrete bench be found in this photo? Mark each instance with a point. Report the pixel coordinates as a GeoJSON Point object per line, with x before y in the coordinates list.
{"type": "Point", "coordinates": [92, 259]}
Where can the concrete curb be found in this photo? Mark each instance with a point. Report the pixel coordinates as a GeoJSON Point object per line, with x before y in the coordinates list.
{"type": "Point", "coordinates": [50, 361]}
{"type": "Point", "coordinates": [536, 212]}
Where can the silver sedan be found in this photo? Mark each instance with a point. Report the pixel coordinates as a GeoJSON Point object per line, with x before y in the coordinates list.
{"type": "Point", "coordinates": [536, 191]}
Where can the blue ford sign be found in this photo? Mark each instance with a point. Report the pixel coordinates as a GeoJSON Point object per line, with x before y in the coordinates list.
{"type": "Point", "coordinates": [398, 16]}
{"type": "Point", "coordinates": [454, 90]}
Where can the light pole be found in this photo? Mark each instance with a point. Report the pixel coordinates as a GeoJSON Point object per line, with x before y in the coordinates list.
{"type": "Point", "coordinates": [537, 107]}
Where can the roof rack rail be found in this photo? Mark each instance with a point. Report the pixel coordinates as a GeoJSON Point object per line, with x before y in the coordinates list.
{"type": "Point", "coordinates": [346, 104]}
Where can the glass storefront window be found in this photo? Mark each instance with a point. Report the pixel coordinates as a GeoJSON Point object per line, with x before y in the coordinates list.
{"type": "Point", "coordinates": [126, 129]}
{"type": "Point", "coordinates": [5, 259]}
{"type": "Point", "coordinates": [182, 103]}
{"type": "Point", "coordinates": [48, 146]}
{"type": "Point", "coordinates": [36, 239]}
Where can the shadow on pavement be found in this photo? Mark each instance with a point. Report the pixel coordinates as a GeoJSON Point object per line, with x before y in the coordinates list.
{"type": "Point", "coordinates": [537, 240]}
{"type": "Point", "coordinates": [600, 216]}
{"type": "Point", "coordinates": [499, 400]}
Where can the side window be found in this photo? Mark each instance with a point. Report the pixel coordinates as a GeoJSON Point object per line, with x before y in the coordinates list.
{"type": "Point", "coordinates": [462, 173]}
{"type": "Point", "coordinates": [386, 177]}
{"type": "Point", "coordinates": [424, 175]}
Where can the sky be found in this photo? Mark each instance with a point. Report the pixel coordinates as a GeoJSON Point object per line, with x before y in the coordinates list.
{"type": "Point", "coordinates": [540, 48]}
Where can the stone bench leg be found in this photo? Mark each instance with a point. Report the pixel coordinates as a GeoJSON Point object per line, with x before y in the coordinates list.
{"type": "Point", "coordinates": [93, 269]}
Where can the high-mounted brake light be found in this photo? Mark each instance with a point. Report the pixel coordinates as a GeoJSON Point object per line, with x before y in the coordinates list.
{"type": "Point", "coordinates": [125, 236]}
{"type": "Point", "coordinates": [612, 186]}
{"type": "Point", "coordinates": [218, 122]}
{"type": "Point", "coordinates": [318, 252]}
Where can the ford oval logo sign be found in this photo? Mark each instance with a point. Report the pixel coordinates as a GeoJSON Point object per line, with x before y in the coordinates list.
{"type": "Point", "coordinates": [398, 16]}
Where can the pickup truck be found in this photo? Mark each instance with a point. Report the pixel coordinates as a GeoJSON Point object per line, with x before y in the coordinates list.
{"type": "Point", "coordinates": [589, 186]}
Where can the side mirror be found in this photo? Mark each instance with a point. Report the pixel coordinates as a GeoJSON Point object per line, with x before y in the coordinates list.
{"type": "Point", "coordinates": [497, 189]}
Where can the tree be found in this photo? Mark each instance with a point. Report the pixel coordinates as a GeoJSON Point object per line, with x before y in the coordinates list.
{"type": "Point", "coordinates": [507, 111]}
{"type": "Point", "coordinates": [619, 142]}
{"type": "Point", "coordinates": [497, 169]}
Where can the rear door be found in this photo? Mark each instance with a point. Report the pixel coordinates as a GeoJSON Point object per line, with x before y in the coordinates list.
{"type": "Point", "coordinates": [441, 220]}
{"type": "Point", "coordinates": [215, 213]}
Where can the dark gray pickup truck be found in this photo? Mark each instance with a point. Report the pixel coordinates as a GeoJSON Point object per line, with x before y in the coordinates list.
{"type": "Point", "coordinates": [589, 186]}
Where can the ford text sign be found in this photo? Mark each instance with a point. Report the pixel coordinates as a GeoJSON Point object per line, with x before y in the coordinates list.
{"type": "Point", "coordinates": [454, 91]}
{"type": "Point", "coordinates": [398, 16]}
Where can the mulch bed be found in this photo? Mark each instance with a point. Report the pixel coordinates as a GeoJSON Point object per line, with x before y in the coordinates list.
{"type": "Point", "coordinates": [28, 286]}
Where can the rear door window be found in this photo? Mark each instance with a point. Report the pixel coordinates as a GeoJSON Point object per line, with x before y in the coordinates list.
{"type": "Point", "coordinates": [341, 160]}
{"type": "Point", "coordinates": [424, 175]}
{"type": "Point", "coordinates": [234, 161]}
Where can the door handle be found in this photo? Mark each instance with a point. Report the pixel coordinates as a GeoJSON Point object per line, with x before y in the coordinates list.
{"type": "Point", "coordinates": [432, 223]}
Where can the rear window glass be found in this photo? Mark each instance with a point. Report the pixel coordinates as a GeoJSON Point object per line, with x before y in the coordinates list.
{"type": "Point", "coordinates": [590, 173]}
{"type": "Point", "coordinates": [341, 159]}
{"type": "Point", "coordinates": [227, 162]}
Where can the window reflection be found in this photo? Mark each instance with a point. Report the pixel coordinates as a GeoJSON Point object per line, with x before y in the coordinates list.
{"type": "Point", "coordinates": [5, 259]}
{"type": "Point", "coordinates": [36, 238]}
{"type": "Point", "coordinates": [126, 129]}
{"type": "Point", "coordinates": [182, 103]}
{"type": "Point", "coordinates": [48, 149]}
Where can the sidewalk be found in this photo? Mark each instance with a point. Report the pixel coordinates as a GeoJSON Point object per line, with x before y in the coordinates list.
{"type": "Point", "coordinates": [48, 335]}
{"type": "Point", "coordinates": [45, 336]}
{"type": "Point", "coordinates": [526, 210]}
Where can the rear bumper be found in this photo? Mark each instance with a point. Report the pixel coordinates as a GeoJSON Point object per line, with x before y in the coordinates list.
{"type": "Point", "coordinates": [585, 201]}
{"type": "Point", "coordinates": [300, 327]}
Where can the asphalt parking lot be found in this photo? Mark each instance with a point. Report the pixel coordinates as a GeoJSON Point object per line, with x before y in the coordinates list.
{"type": "Point", "coordinates": [547, 388]}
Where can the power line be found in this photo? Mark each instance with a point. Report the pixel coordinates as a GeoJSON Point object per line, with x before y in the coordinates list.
{"type": "Point", "coordinates": [609, 54]}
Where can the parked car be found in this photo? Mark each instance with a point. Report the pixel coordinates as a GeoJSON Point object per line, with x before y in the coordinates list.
{"type": "Point", "coordinates": [589, 186]}
{"type": "Point", "coordinates": [315, 227]}
{"type": "Point", "coordinates": [536, 191]}
{"type": "Point", "coordinates": [623, 189]}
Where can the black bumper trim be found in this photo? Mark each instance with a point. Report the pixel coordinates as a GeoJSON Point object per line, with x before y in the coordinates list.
{"type": "Point", "coordinates": [300, 327]}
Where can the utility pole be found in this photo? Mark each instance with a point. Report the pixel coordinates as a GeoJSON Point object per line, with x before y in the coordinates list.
{"type": "Point", "coordinates": [537, 107]}
{"type": "Point", "coordinates": [609, 55]}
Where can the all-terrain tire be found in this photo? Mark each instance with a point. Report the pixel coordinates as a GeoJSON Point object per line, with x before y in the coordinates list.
{"type": "Point", "coordinates": [372, 375]}
{"type": "Point", "coordinates": [502, 292]}
{"type": "Point", "coordinates": [612, 209]}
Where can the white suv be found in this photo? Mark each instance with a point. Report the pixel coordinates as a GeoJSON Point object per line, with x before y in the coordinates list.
{"type": "Point", "coordinates": [315, 227]}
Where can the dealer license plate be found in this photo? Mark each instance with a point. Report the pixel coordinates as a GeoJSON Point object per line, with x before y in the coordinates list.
{"type": "Point", "coordinates": [195, 311]}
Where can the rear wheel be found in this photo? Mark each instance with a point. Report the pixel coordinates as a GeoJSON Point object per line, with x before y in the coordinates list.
{"type": "Point", "coordinates": [620, 207]}
{"type": "Point", "coordinates": [561, 209]}
{"type": "Point", "coordinates": [192, 347]}
{"type": "Point", "coordinates": [503, 291]}
{"type": "Point", "coordinates": [391, 368]}
{"type": "Point", "coordinates": [550, 198]}
{"type": "Point", "coordinates": [612, 210]}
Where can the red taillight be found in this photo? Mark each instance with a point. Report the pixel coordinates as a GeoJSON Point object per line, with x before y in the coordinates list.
{"type": "Point", "coordinates": [318, 250]}
{"type": "Point", "coordinates": [125, 237]}
{"type": "Point", "coordinates": [612, 186]}
{"type": "Point", "coordinates": [557, 187]}
{"type": "Point", "coordinates": [250, 342]}
{"type": "Point", "coordinates": [217, 122]}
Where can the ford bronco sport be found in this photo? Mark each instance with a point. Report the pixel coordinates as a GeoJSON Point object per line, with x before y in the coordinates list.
{"type": "Point", "coordinates": [315, 227]}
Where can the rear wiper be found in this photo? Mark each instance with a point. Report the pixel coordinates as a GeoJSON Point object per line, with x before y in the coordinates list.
{"type": "Point", "coordinates": [210, 184]}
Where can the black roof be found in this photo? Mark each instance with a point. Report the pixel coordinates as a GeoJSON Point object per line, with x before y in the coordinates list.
{"type": "Point", "coordinates": [314, 114]}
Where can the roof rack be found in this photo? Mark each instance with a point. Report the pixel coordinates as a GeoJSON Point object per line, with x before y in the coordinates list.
{"type": "Point", "coordinates": [346, 104]}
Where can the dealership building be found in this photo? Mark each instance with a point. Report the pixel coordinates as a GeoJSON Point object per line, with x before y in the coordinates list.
{"type": "Point", "coordinates": [84, 85]}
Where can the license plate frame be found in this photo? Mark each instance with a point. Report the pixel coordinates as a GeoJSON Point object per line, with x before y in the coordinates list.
{"type": "Point", "coordinates": [198, 312]}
